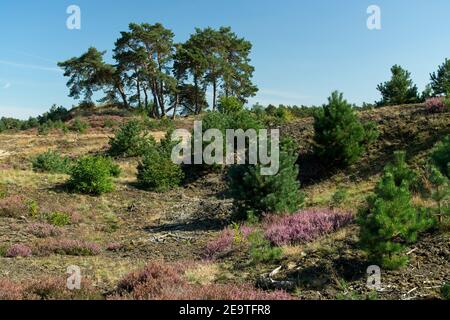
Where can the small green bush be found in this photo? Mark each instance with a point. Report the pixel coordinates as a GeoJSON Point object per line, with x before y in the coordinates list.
{"type": "Point", "coordinates": [339, 197]}
{"type": "Point", "coordinates": [79, 126]}
{"type": "Point", "coordinates": [445, 291]}
{"type": "Point", "coordinates": [441, 156]}
{"type": "Point", "coordinates": [157, 172]}
{"type": "Point", "coordinates": [51, 161]}
{"type": "Point", "coordinates": [390, 221]}
{"type": "Point", "coordinates": [59, 219]}
{"type": "Point", "coordinates": [130, 140]}
{"type": "Point", "coordinates": [257, 194]}
{"type": "Point", "coordinates": [261, 251]}
{"type": "Point", "coordinates": [93, 175]}
{"type": "Point", "coordinates": [229, 105]}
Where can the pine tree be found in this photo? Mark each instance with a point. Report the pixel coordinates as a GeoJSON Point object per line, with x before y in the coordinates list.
{"type": "Point", "coordinates": [390, 221]}
{"type": "Point", "coordinates": [399, 90]}
{"type": "Point", "coordinates": [440, 80]}
{"type": "Point", "coordinates": [441, 156]}
{"type": "Point", "coordinates": [257, 194]}
{"type": "Point", "coordinates": [440, 194]}
{"type": "Point", "coordinates": [340, 138]}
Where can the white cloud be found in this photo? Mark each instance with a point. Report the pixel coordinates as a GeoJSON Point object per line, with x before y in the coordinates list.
{"type": "Point", "coordinates": [6, 85]}
{"type": "Point", "coordinates": [29, 66]}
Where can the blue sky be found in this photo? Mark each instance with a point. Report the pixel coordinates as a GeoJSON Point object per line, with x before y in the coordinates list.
{"type": "Point", "coordinates": [302, 50]}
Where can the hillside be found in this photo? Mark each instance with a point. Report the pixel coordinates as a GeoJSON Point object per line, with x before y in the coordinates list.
{"type": "Point", "coordinates": [132, 227]}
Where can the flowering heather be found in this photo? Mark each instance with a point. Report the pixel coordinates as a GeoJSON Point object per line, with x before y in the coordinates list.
{"type": "Point", "coordinates": [10, 290]}
{"type": "Point", "coordinates": [154, 280]}
{"type": "Point", "coordinates": [55, 288]}
{"type": "Point", "coordinates": [44, 230]}
{"type": "Point", "coordinates": [114, 246]}
{"type": "Point", "coordinates": [304, 226]}
{"type": "Point", "coordinates": [18, 250]}
{"type": "Point", "coordinates": [49, 288]}
{"type": "Point", "coordinates": [160, 281]}
{"type": "Point", "coordinates": [13, 206]}
{"type": "Point", "coordinates": [225, 242]}
{"type": "Point", "coordinates": [229, 292]}
{"type": "Point", "coordinates": [68, 247]}
{"type": "Point", "coordinates": [435, 104]}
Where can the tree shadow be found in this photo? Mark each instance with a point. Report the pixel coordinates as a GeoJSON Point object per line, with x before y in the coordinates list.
{"type": "Point", "coordinates": [326, 274]}
{"type": "Point", "coordinates": [201, 224]}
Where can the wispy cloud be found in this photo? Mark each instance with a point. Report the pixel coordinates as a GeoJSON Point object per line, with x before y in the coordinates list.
{"type": "Point", "coordinates": [6, 85]}
{"type": "Point", "coordinates": [30, 66]}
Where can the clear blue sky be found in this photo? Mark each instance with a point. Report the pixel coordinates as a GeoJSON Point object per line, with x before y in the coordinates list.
{"type": "Point", "coordinates": [302, 49]}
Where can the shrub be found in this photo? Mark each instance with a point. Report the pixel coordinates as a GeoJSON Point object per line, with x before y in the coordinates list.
{"type": "Point", "coordinates": [3, 191]}
{"type": "Point", "coordinates": [229, 105]}
{"type": "Point", "coordinates": [257, 194]}
{"type": "Point", "coordinates": [79, 126]}
{"type": "Point", "coordinates": [441, 156]}
{"type": "Point", "coordinates": [59, 219]}
{"type": "Point", "coordinates": [445, 291]}
{"type": "Point", "coordinates": [389, 220]}
{"type": "Point", "coordinates": [400, 170]}
{"type": "Point", "coordinates": [159, 281]}
{"type": "Point", "coordinates": [435, 105]}
{"type": "Point", "coordinates": [10, 290]}
{"type": "Point", "coordinates": [114, 246]}
{"type": "Point", "coordinates": [340, 139]}
{"type": "Point", "coordinates": [339, 197]}
{"type": "Point", "coordinates": [18, 250]}
{"type": "Point", "coordinates": [55, 288]}
{"type": "Point", "coordinates": [440, 194]}
{"type": "Point", "coordinates": [52, 162]}
{"type": "Point", "coordinates": [261, 249]}
{"type": "Point", "coordinates": [304, 226]}
{"type": "Point", "coordinates": [231, 291]}
{"type": "Point", "coordinates": [13, 206]}
{"type": "Point", "coordinates": [228, 240]}
{"type": "Point", "coordinates": [33, 208]}
{"type": "Point", "coordinates": [67, 247]}
{"type": "Point", "coordinates": [157, 172]}
{"type": "Point", "coordinates": [49, 288]}
{"type": "Point", "coordinates": [93, 175]}
{"type": "Point", "coordinates": [43, 230]}
{"type": "Point", "coordinates": [130, 140]}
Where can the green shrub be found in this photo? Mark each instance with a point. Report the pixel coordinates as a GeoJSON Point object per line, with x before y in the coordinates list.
{"type": "Point", "coordinates": [33, 208]}
{"type": "Point", "coordinates": [389, 221]}
{"type": "Point", "coordinates": [93, 175]}
{"type": "Point", "coordinates": [3, 250]}
{"type": "Point", "coordinates": [3, 191]}
{"type": "Point", "coordinates": [440, 194]}
{"type": "Point", "coordinates": [340, 138]}
{"type": "Point", "coordinates": [59, 219]}
{"type": "Point", "coordinates": [79, 126]}
{"type": "Point", "coordinates": [261, 251]}
{"type": "Point", "coordinates": [229, 105]}
{"type": "Point", "coordinates": [130, 140]}
{"type": "Point", "coordinates": [157, 172]}
{"type": "Point", "coordinates": [258, 194]}
{"type": "Point", "coordinates": [445, 291]}
{"type": "Point", "coordinates": [51, 161]}
{"type": "Point", "coordinates": [339, 197]}
{"type": "Point", "coordinates": [441, 156]}
{"type": "Point", "coordinates": [401, 171]}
